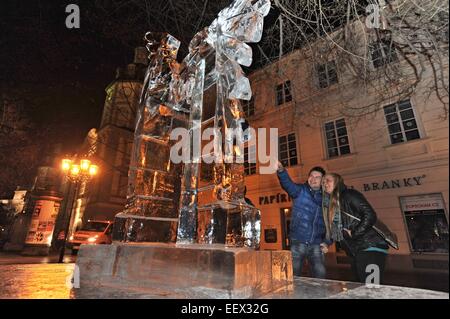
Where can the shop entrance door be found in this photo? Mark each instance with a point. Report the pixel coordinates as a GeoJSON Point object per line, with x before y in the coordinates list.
{"type": "Point", "coordinates": [285, 217]}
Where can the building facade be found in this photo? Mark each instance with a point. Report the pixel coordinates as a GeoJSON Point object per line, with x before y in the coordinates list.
{"type": "Point", "coordinates": [110, 146]}
{"type": "Point", "coordinates": [396, 153]}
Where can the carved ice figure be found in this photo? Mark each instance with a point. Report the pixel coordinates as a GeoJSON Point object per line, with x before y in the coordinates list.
{"type": "Point", "coordinates": [151, 212]}
{"type": "Point", "coordinates": [171, 91]}
{"type": "Point", "coordinates": [241, 22]}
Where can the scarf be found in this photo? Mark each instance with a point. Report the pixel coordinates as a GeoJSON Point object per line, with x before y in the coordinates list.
{"type": "Point", "coordinates": [334, 231]}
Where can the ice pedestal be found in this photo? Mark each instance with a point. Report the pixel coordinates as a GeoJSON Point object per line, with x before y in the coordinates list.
{"type": "Point", "coordinates": [214, 270]}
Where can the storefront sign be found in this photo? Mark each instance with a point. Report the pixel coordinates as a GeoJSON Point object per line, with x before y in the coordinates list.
{"type": "Point", "coordinates": [422, 202]}
{"type": "Point", "coordinates": [277, 198]}
{"type": "Point", "coordinates": [394, 183]}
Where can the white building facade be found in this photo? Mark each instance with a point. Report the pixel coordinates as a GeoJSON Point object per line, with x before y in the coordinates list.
{"type": "Point", "coordinates": [396, 154]}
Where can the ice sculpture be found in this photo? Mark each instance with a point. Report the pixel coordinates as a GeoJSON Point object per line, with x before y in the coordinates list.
{"type": "Point", "coordinates": [153, 180]}
{"type": "Point", "coordinates": [171, 91]}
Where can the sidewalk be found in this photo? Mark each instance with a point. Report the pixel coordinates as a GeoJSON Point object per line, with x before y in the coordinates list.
{"type": "Point", "coordinates": [50, 281]}
{"type": "Point", "coordinates": [11, 258]}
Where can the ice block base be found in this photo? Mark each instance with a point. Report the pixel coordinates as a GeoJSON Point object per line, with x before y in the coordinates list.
{"type": "Point", "coordinates": [213, 269]}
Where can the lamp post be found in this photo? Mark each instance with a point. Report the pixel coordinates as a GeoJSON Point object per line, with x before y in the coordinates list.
{"type": "Point", "coordinates": [76, 173]}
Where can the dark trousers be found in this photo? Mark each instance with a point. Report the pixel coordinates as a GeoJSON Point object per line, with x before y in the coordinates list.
{"type": "Point", "coordinates": [369, 263]}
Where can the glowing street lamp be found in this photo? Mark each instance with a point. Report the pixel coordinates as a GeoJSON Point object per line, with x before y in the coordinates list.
{"type": "Point", "coordinates": [93, 170]}
{"type": "Point", "coordinates": [84, 165]}
{"type": "Point", "coordinates": [76, 173]}
{"type": "Point", "coordinates": [65, 165]}
{"type": "Point", "coordinates": [74, 170]}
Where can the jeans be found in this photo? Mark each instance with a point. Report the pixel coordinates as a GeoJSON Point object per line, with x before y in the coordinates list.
{"type": "Point", "coordinates": [313, 254]}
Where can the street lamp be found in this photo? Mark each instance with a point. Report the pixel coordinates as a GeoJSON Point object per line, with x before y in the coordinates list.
{"type": "Point", "coordinates": [76, 173]}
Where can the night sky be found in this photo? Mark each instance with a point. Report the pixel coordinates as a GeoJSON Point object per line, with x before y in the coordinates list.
{"type": "Point", "coordinates": [61, 73]}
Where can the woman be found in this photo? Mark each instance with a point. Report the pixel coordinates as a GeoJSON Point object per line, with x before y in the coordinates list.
{"type": "Point", "coordinates": [349, 219]}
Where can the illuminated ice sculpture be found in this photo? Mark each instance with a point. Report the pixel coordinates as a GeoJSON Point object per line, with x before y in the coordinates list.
{"type": "Point", "coordinates": [161, 206]}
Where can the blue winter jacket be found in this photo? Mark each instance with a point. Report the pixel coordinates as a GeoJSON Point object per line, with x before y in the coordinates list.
{"type": "Point", "coordinates": [307, 223]}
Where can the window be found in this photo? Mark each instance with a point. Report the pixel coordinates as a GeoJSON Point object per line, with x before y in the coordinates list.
{"type": "Point", "coordinates": [95, 226]}
{"type": "Point", "coordinates": [284, 93]}
{"type": "Point", "coordinates": [327, 74]}
{"type": "Point", "coordinates": [401, 122]}
{"type": "Point", "coordinates": [250, 160]}
{"type": "Point", "coordinates": [382, 53]}
{"type": "Point", "coordinates": [337, 138]}
{"type": "Point", "coordinates": [249, 107]}
{"type": "Point", "coordinates": [109, 93]}
{"type": "Point", "coordinates": [288, 150]}
{"type": "Point", "coordinates": [426, 222]}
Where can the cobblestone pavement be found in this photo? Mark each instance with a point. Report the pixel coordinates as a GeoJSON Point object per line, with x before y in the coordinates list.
{"type": "Point", "coordinates": [35, 281]}
{"type": "Point", "coordinates": [53, 281]}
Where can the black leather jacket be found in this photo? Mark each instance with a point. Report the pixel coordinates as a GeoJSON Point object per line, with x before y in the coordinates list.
{"type": "Point", "coordinates": [362, 234]}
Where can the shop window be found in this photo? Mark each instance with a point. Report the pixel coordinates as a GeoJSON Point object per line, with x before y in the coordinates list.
{"type": "Point", "coordinates": [401, 122]}
{"type": "Point", "coordinates": [337, 138]}
{"type": "Point", "coordinates": [426, 222]}
{"type": "Point", "coordinates": [284, 92]}
{"type": "Point", "coordinates": [287, 145]}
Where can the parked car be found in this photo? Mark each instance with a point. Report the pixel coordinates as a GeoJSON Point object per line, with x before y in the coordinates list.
{"type": "Point", "coordinates": [94, 232]}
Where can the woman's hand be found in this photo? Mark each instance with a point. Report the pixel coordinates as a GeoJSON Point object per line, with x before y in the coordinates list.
{"type": "Point", "coordinates": [324, 248]}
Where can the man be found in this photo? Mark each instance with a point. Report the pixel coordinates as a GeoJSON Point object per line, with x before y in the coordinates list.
{"type": "Point", "coordinates": [307, 229]}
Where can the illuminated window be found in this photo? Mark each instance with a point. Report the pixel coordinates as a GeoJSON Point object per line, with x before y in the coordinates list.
{"type": "Point", "coordinates": [110, 94]}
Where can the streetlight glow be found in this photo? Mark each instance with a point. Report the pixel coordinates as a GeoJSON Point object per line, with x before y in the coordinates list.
{"type": "Point", "coordinates": [93, 170]}
{"type": "Point", "coordinates": [84, 164]}
{"type": "Point", "coordinates": [75, 170]}
{"type": "Point", "coordinates": [66, 163]}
